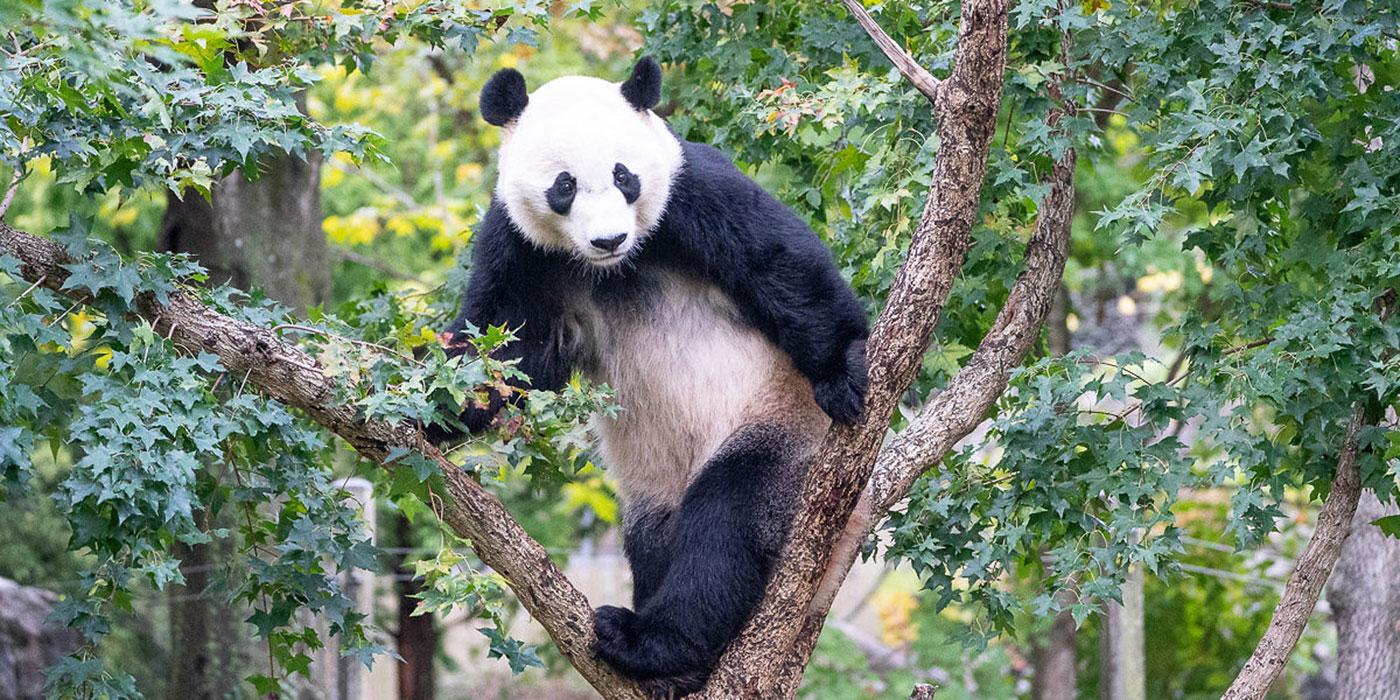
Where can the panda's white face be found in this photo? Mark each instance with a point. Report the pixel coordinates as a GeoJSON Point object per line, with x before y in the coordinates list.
{"type": "Point", "coordinates": [584, 172]}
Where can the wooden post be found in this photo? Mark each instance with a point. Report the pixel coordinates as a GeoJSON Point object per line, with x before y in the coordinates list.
{"type": "Point", "coordinates": [1123, 667]}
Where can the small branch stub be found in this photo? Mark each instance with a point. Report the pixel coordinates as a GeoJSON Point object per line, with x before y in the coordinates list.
{"type": "Point", "coordinates": [915, 73]}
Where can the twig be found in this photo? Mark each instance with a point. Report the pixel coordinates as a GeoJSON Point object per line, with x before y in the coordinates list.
{"type": "Point", "coordinates": [1231, 576]}
{"type": "Point", "coordinates": [916, 74]}
{"type": "Point", "coordinates": [1314, 567]}
{"type": "Point", "coordinates": [1249, 346]}
{"type": "Point", "coordinates": [337, 336]}
{"type": "Point", "coordinates": [10, 193]}
{"type": "Point", "coordinates": [375, 264]}
{"type": "Point", "coordinates": [26, 292]}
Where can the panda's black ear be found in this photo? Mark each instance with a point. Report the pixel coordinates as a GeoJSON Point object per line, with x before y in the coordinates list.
{"type": "Point", "coordinates": [503, 97]}
{"type": "Point", "coordinates": [643, 89]}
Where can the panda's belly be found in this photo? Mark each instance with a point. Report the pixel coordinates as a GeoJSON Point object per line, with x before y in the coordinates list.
{"type": "Point", "coordinates": [688, 372]}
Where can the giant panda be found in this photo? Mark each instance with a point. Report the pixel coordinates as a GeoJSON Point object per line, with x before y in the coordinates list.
{"type": "Point", "coordinates": [649, 263]}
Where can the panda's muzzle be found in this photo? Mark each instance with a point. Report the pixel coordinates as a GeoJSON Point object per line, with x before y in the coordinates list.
{"type": "Point", "coordinates": [608, 244]}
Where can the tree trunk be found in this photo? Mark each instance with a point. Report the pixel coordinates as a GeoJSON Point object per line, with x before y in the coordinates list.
{"type": "Point", "coordinates": [265, 234]}
{"type": "Point", "coordinates": [417, 636]}
{"type": "Point", "coordinates": [189, 673]}
{"type": "Point", "coordinates": [29, 643]}
{"type": "Point", "coordinates": [1304, 585]}
{"type": "Point", "coordinates": [1365, 599]}
{"type": "Point", "coordinates": [1052, 661]}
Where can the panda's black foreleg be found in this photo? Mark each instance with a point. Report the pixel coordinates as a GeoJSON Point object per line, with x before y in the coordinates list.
{"type": "Point", "coordinates": [718, 568]}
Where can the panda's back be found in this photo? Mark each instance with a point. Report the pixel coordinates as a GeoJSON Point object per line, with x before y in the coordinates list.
{"type": "Point", "coordinates": [689, 372]}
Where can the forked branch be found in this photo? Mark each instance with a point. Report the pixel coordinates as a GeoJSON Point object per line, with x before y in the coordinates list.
{"type": "Point", "coordinates": [761, 659]}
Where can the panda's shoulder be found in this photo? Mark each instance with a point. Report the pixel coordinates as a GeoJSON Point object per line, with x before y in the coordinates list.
{"type": "Point", "coordinates": [712, 195]}
{"type": "Point", "coordinates": [707, 168]}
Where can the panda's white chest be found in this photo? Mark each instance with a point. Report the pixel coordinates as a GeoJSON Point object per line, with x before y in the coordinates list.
{"type": "Point", "coordinates": [687, 371]}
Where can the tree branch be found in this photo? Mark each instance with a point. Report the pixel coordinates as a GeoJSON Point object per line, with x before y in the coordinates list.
{"type": "Point", "coordinates": [286, 374]}
{"type": "Point", "coordinates": [1314, 567]}
{"type": "Point", "coordinates": [968, 103]}
{"type": "Point", "coordinates": [960, 408]}
{"type": "Point", "coordinates": [915, 73]}
{"type": "Point", "coordinates": [955, 412]}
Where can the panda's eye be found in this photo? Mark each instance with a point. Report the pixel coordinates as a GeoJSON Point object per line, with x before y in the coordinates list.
{"type": "Point", "coordinates": [627, 183]}
{"type": "Point", "coordinates": [560, 195]}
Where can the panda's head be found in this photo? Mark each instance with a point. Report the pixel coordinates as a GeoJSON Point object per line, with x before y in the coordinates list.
{"type": "Point", "coordinates": [585, 167]}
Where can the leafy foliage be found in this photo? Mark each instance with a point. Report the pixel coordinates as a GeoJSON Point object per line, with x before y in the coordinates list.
{"type": "Point", "coordinates": [124, 94]}
{"type": "Point", "coordinates": [1236, 217]}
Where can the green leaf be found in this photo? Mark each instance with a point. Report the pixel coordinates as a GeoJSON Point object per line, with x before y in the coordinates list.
{"type": "Point", "coordinates": [1389, 524]}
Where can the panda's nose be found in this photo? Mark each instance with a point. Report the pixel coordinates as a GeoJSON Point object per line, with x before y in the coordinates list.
{"type": "Point", "coordinates": [608, 244]}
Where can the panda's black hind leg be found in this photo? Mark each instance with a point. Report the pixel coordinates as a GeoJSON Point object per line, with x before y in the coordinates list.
{"type": "Point", "coordinates": [724, 540]}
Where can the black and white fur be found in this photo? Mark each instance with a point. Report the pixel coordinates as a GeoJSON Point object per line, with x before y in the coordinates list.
{"type": "Point", "coordinates": [653, 265]}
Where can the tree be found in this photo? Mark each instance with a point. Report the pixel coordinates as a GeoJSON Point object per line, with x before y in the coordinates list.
{"type": "Point", "coordinates": [1251, 167]}
{"type": "Point", "coordinates": [1365, 598]}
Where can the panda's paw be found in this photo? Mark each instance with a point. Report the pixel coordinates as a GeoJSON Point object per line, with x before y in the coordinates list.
{"type": "Point", "coordinates": [641, 649]}
{"type": "Point", "coordinates": [842, 396]}
{"type": "Point", "coordinates": [615, 628]}
{"type": "Point", "coordinates": [674, 687]}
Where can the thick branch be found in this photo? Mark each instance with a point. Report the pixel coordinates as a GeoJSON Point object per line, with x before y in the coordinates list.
{"type": "Point", "coordinates": [285, 373]}
{"type": "Point", "coordinates": [1300, 593]}
{"type": "Point", "coordinates": [968, 102]}
{"type": "Point", "coordinates": [905, 63]}
{"type": "Point", "coordinates": [956, 411]}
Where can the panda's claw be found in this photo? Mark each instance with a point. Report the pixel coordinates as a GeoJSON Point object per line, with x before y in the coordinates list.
{"type": "Point", "coordinates": [613, 628]}
{"type": "Point", "coordinates": [842, 395]}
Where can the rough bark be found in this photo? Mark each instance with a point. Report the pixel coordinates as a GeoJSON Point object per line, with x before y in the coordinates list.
{"type": "Point", "coordinates": [1365, 599]}
{"type": "Point", "coordinates": [967, 103]}
{"type": "Point", "coordinates": [955, 412]}
{"type": "Point", "coordinates": [1305, 583]}
{"type": "Point", "coordinates": [286, 374]}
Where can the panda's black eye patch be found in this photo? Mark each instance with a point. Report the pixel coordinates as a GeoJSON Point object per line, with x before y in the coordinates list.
{"type": "Point", "coordinates": [628, 183]}
{"type": "Point", "coordinates": [560, 195]}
